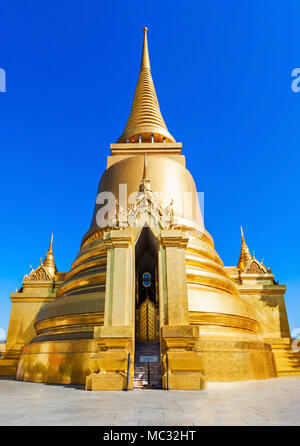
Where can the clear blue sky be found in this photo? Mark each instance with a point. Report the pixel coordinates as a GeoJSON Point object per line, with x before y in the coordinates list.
{"type": "Point", "coordinates": [222, 72]}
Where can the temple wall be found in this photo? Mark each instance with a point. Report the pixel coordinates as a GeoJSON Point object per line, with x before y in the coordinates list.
{"type": "Point", "coordinates": [268, 303]}
{"type": "Point", "coordinates": [266, 297]}
{"type": "Point", "coordinates": [25, 306]}
{"type": "Point", "coordinates": [61, 362]}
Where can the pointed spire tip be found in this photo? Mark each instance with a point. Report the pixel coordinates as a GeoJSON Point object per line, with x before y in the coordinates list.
{"type": "Point", "coordinates": [145, 62]}
{"type": "Point", "coordinates": [245, 255]}
{"type": "Point", "coordinates": [51, 243]}
{"type": "Point", "coordinates": [242, 235]}
{"type": "Point", "coordinates": [49, 258]}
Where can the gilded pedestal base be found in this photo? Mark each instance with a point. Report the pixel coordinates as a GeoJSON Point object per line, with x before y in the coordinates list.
{"type": "Point", "coordinates": [9, 363]}
{"type": "Point", "coordinates": [105, 381]}
{"type": "Point", "coordinates": [57, 362]}
{"type": "Point", "coordinates": [182, 367]}
{"type": "Point", "coordinates": [109, 367]}
{"type": "Point", "coordinates": [236, 359]}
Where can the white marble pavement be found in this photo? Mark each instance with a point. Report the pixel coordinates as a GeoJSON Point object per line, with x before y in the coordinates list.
{"type": "Point", "coordinates": [264, 402]}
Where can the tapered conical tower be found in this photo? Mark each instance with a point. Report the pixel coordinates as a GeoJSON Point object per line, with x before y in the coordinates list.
{"type": "Point", "coordinates": [145, 122]}
{"type": "Point", "coordinates": [245, 255]}
{"type": "Point", "coordinates": [49, 262]}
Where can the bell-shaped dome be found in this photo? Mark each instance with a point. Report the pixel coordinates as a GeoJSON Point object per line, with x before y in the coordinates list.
{"type": "Point", "coordinates": [170, 181]}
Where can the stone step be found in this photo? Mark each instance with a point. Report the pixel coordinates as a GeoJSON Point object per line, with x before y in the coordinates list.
{"type": "Point", "coordinates": [149, 347]}
{"type": "Point", "coordinates": [140, 382]}
{"type": "Point", "coordinates": [139, 369]}
{"type": "Point", "coordinates": [141, 375]}
{"type": "Point", "coordinates": [147, 370]}
{"type": "Point", "coordinates": [147, 353]}
{"type": "Point", "coordinates": [151, 373]}
{"type": "Point", "coordinates": [145, 364]}
{"type": "Point", "coordinates": [147, 386]}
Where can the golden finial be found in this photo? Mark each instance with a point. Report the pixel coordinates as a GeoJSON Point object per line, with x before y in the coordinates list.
{"type": "Point", "coordinates": [145, 122]}
{"type": "Point", "coordinates": [145, 62]}
{"type": "Point", "coordinates": [245, 255]}
{"type": "Point", "coordinates": [51, 243]}
{"type": "Point", "coordinates": [242, 236]}
{"type": "Point", "coordinates": [49, 262]}
{"type": "Point", "coordinates": [145, 183]}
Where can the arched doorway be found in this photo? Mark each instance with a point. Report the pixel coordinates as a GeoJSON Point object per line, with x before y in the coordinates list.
{"type": "Point", "coordinates": [147, 373]}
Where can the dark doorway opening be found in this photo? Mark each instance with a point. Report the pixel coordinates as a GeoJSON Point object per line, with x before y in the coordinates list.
{"type": "Point", "coordinates": [147, 368]}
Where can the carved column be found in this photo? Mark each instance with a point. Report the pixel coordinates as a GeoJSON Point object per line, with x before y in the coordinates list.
{"type": "Point", "coordinates": [182, 368]}
{"type": "Point", "coordinates": [116, 337]}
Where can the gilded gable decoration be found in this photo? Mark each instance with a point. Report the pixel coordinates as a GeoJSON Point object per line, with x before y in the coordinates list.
{"type": "Point", "coordinates": [145, 202]}
{"type": "Point", "coordinates": [40, 273]}
{"type": "Point", "coordinates": [255, 267]}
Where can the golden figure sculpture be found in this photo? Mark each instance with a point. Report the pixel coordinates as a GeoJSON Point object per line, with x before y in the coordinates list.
{"type": "Point", "coordinates": [203, 321]}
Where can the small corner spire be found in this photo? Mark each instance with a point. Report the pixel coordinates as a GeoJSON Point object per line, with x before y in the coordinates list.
{"type": "Point", "coordinates": [51, 244]}
{"type": "Point", "coordinates": [245, 255]}
{"type": "Point", "coordinates": [242, 236]}
{"type": "Point", "coordinates": [49, 262]}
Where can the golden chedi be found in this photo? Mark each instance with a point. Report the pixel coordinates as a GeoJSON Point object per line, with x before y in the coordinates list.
{"type": "Point", "coordinates": [148, 301]}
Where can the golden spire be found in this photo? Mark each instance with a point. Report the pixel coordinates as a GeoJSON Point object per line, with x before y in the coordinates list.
{"type": "Point", "coordinates": [245, 256]}
{"type": "Point", "coordinates": [49, 259]}
{"type": "Point", "coordinates": [242, 236]}
{"type": "Point", "coordinates": [145, 122]}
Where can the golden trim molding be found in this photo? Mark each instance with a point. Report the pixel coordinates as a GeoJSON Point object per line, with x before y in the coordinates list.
{"type": "Point", "coordinates": [86, 266]}
{"type": "Point", "coordinates": [81, 282]}
{"type": "Point", "coordinates": [225, 320]}
{"type": "Point", "coordinates": [272, 289]}
{"type": "Point", "coordinates": [98, 251]}
{"type": "Point", "coordinates": [78, 320]}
